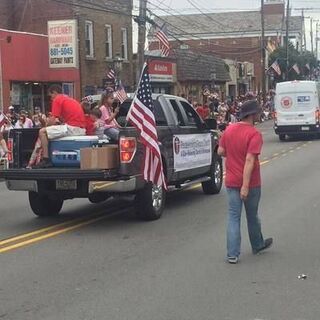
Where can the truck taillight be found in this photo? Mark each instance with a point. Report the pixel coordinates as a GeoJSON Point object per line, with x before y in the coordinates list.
{"type": "Point", "coordinates": [128, 147]}
{"type": "Point", "coordinates": [274, 116]}
{"type": "Point", "coordinates": [317, 115]}
{"type": "Point", "coordinates": [10, 149]}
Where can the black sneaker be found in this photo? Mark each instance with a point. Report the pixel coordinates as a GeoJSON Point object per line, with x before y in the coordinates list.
{"type": "Point", "coordinates": [43, 164]}
{"type": "Point", "coordinates": [267, 244]}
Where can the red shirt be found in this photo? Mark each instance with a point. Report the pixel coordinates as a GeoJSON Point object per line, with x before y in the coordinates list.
{"type": "Point", "coordinates": [90, 128]}
{"type": "Point", "coordinates": [238, 140]}
{"type": "Point", "coordinates": [69, 110]}
{"type": "Point", "coordinates": [203, 112]}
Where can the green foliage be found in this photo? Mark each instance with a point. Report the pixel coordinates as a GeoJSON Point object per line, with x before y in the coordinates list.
{"type": "Point", "coordinates": [295, 57]}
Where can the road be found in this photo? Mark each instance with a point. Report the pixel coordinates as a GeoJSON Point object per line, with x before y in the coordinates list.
{"type": "Point", "coordinates": [118, 268]}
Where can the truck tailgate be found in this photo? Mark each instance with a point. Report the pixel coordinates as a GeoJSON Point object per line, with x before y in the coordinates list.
{"type": "Point", "coordinates": [58, 173]}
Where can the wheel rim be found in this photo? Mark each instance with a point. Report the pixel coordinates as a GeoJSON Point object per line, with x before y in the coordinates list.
{"type": "Point", "coordinates": [217, 173]}
{"type": "Point", "coordinates": [157, 197]}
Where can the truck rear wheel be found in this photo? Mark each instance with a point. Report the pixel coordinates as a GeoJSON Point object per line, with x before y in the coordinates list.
{"type": "Point", "coordinates": [282, 137]}
{"type": "Point", "coordinates": [44, 205]}
{"type": "Point", "coordinates": [214, 185]}
{"type": "Point", "coordinates": [150, 202]}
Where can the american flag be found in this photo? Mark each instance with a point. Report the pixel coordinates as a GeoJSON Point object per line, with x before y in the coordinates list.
{"type": "Point", "coordinates": [164, 42]}
{"type": "Point", "coordinates": [111, 74]}
{"type": "Point", "coordinates": [296, 68]}
{"type": "Point", "coordinates": [275, 66]}
{"type": "Point", "coordinates": [141, 116]}
{"type": "Point", "coordinates": [121, 94]}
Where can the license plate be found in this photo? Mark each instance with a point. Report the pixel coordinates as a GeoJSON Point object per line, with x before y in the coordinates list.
{"type": "Point", "coordinates": [305, 128]}
{"type": "Point", "coordinates": [66, 184]}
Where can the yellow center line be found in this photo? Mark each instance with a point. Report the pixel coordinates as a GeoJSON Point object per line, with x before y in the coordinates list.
{"type": "Point", "coordinates": [57, 232]}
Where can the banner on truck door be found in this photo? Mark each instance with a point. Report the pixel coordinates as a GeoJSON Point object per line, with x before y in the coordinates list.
{"type": "Point", "coordinates": [192, 151]}
{"type": "Point", "coordinates": [63, 44]}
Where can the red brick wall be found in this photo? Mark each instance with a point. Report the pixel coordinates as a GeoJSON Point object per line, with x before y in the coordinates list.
{"type": "Point", "coordinates": [274, 8]}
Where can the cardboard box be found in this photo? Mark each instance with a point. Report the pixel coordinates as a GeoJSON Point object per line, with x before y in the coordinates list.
{"type": "Point", "coordinates": [106, 157]}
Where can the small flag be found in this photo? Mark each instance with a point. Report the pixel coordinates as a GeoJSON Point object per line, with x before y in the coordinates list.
{"type": "Point", "coordinates": [275, 66]}
{"type": "Point", "coordinates": [142, 117]}
{"type": "Point", "coordinates": [164, 42]}
{"type": "Point", "coordinates": [296, 68]}
{"type": "Point", "coordinates": [111, 74]}
{"type": "Point", "coordinates": [2, 119]}
{"type": "Point", "coordinates": [121, 94]}
{"type": "Point", "coordinates": [308, 66]}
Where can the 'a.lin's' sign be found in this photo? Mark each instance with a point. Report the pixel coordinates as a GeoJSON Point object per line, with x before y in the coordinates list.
{"type": "Point", "coordinates": [160, 71]}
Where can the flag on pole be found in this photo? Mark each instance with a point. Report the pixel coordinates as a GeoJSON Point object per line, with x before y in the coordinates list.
{"type": "Point", "coordinates": [296, 68]}
{"type": "Point", "coordinates": [111, 74]}
{"type": "Point", "coordinates": [275, 66]}
{"type": "Point", "coordinates": [164, 42]}
{"type": "Point", "coordinates": [121, 94]}
{"type": "Point", "coordinates": [308, 66]}
{"type": "Point", "coordinates": [2, 119]}
{"type": "Point", "coordinates": [142, 117]}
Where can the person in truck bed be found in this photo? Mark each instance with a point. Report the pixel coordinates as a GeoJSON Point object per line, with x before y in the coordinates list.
{"type": "Point", "coordinates": [66, 119]}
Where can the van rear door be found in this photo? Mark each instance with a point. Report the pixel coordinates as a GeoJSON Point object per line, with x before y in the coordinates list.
{"type": "Point", "coordinates": [296, 108]}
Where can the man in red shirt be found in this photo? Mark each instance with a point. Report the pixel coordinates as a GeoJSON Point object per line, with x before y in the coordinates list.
{"type": "Point", "coordinates": [241, 144]}
{"type": "Point", "coordinates": [203, 111]}
{"type": "Point", "coordinates": [66, 119]}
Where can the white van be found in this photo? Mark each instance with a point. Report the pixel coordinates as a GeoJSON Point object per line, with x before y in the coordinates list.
{"type": "Point", "coordinates": [297, 106]}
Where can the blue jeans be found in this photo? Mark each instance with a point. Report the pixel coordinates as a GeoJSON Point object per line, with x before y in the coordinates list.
{"type": "Point", "coordinates": [234, 220]}
{"type": "Point", "coordinates": [112, 133]}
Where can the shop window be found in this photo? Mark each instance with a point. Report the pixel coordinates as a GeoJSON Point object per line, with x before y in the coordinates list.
{"type": "Point", "coordinates": [108, 42]}
{"type": "Point", "coordinates": [124, 43]}
{"type": "Point", "coordinates": [89, 39]}
{"type": "Point", "coordinates": [67, 88]}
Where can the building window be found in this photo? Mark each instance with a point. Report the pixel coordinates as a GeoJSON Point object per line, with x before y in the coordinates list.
{"type": "Point", "coordinates": [89, 39]}
{"type": "Point", "coordinates": [108, 42]}
{"type": "Point", "coordinates": [124, 43]}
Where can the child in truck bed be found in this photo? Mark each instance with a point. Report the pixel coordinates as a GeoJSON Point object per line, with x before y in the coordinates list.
{"type": "Point", "coordinates": [99, 124]}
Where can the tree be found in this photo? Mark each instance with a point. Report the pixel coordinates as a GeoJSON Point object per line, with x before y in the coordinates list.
{"type": "Point", "coordinates": [295, 57]}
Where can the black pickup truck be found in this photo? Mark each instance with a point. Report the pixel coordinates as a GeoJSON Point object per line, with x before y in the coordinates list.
{"type": "Point", "coordinates": [188, 148]}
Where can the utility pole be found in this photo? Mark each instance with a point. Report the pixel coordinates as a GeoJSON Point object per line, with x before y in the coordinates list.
{"type": "Point", "coordinates": [304, 33]}
{"type": "Point", "coordinates": [141, 36]}
{"type": "Point", "coordinates": [311, 34]}
{"type": "Point", "coordinates": [317, 40]}
{"type": "Point", "coordinates": [287, 41]}
{"type": "Point", "coordinates": [263, 54]}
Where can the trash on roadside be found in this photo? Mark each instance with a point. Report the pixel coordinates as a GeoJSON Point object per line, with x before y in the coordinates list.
{"type": "Point", "coordinates": [302, 277]}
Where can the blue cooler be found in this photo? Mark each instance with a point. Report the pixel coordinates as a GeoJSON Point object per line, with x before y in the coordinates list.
{"type": "Point", "coordinates": [65, 152]}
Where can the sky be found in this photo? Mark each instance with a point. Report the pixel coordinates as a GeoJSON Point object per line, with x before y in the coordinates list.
{"type": "Point", "coordinates": [184, 7]}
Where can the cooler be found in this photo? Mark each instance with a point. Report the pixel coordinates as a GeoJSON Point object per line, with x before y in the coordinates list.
{"type": "Point", "coordinates": [65, 152]}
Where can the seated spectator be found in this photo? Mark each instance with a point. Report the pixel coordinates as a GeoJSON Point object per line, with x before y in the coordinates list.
{"type": "Point", "coordinates": [28, 122]}
{"type": "Point", "coordinates": [203, 111]}
{"type": "Point", "coordinates": [66, 119]}
{"type": "Point", "coordinates": [109, 115]}
{"type": "Point", "coordinates": [23, 122]}
{"type": "Point", "coordinates": [6, 127]}
{"type": "Point", "coordinates": [99, 124]}
{"type": "Point", "coordinates": [38, 122]}
{"type": "Point", "coordinates": [37, 112]}
{"type": "Point", "coordinates": [12, 116]}
{"type": "Point", "coordinates": [86, 107]}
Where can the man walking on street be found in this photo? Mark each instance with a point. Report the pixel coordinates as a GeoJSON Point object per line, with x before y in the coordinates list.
{"type": "Point", "coordinates": [241, 144]}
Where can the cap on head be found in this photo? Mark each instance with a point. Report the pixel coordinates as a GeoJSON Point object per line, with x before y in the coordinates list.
{"type": "Point", "coordinates": [248, 108]}
{"type": "Point", "coordinates": [11, 108]}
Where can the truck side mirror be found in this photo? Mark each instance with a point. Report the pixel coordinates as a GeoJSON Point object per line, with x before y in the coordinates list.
{"type": "Point", "coordinates": [211, 123]}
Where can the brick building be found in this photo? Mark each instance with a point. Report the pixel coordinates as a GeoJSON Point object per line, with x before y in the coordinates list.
{"type": "Point", "coordinates": [233, 35]}
{"type": "Point", "coordinates": [104, 30]}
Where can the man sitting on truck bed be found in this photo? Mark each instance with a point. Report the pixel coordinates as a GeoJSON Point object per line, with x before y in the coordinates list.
{"type": "Point", "coordinates": [66, 119]}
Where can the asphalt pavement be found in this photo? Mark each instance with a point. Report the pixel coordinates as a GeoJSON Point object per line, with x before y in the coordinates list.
{"type": "Point", "coordinates": [99, 262]}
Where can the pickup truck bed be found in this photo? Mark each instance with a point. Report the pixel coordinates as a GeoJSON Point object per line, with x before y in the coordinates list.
{"type": "Point", "coordinates": [177, 125]}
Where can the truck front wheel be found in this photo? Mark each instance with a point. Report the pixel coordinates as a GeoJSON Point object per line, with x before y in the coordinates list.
{"type": "Point", "coordinates": [214, 185]}
{"type": "Point", "coordinates": [150, 202]}
{"type": "Point", "coordinates": [44, 205]}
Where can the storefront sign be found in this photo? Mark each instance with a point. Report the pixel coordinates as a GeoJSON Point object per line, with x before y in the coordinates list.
{"type": "Point", "coordinates": [63, 44]}
{"type": "Point", "coordinates": [192, 151]}
{"type": "Point", "coordinates": [160, 71]}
